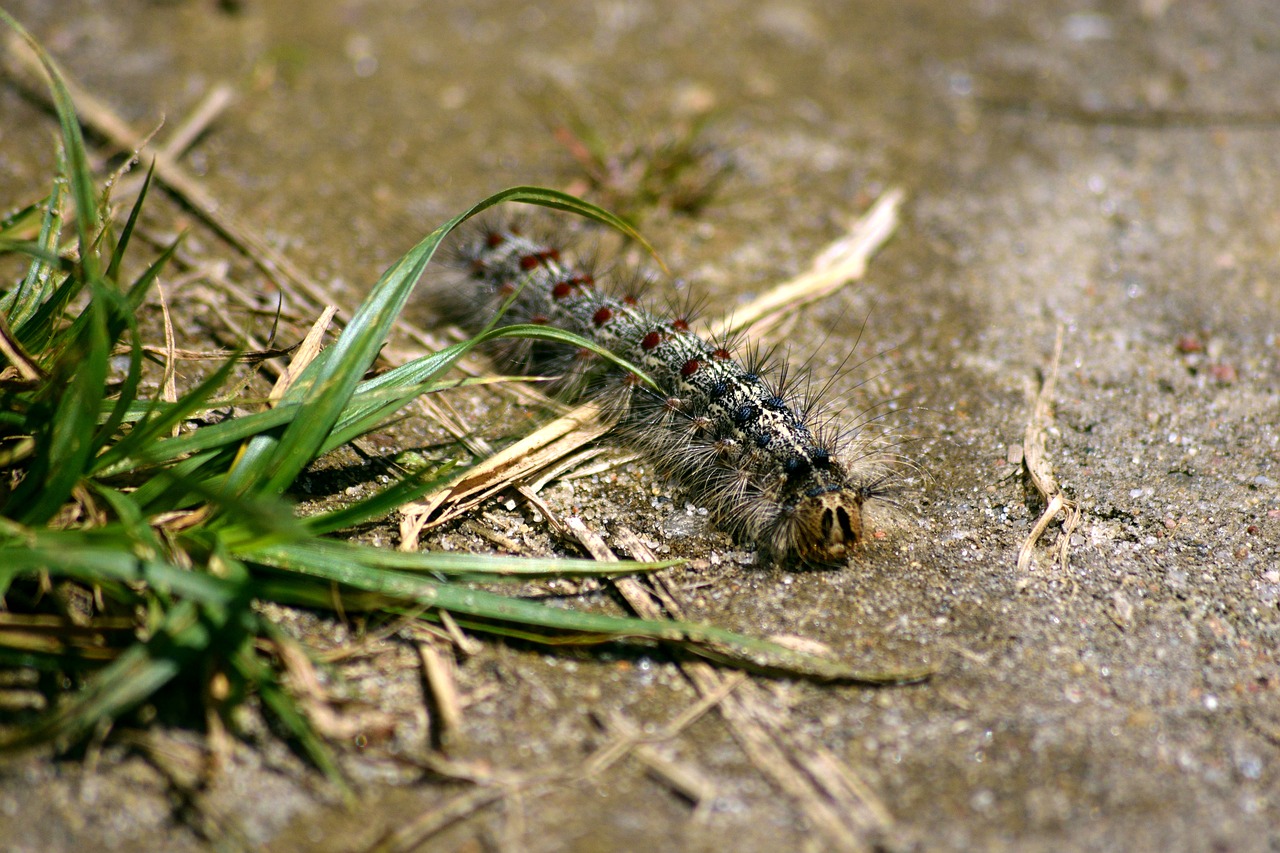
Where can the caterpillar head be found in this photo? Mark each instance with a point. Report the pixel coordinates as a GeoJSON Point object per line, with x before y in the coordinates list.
{"type": "Point", "coordinates": [827, 527]}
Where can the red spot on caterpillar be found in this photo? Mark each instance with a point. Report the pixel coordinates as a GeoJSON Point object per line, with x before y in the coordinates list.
{"type": "Point", "coordinates": [721, 354]}
{"type": "Point", "coordinates": [495, 239]}
{"type": "Point", "coordinates": [562, 289]}
{"type": "Point", "coordinates": [533, 259]}
{"type": "Point", "coordinates": [583, 279]}
{"type": "Point", "coordinates": [651, 340]}
{"type": "Point", "coordinates": [478, 267]}
{"type": "Point", "coordinates": [539, 320]}
{"type": "Point", "coordinates": [680, 324]}
{"type": "Point", "coordinates": [602, 316]}
{"type": "Point", "coordinates": [507, 288]}
{"type": "Point", "coordinates": [630, 299]}
{"type": "Point", "coordinates": [632, 380]}
{"type": "Point", "coordinates": [673, 404]}
{"type": "Point", "coordinates": [690, 367]}
{"type": "Point", "coordinates": [584, 354]}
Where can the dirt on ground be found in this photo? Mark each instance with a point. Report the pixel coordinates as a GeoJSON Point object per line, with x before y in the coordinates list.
{"type": "Point", "coordinates": [1106, 174]}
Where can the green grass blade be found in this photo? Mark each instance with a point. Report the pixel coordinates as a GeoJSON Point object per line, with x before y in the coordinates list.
{"type": "Point", "coordinates": [252, 669]}
{"type": "Point", "coordinates": [150, 443]}
{"type": "Point", "coordinates": [102, 559]}
{"type": "Point", "coordinates": [152, 433]}
{"type": "Point", "coordinates": [214, 436]}
{"type": "Point", "coordinates": [124, 306]}
{"type": "Point", "coordinates": [138, 290]}
{"type": "Point", "coordinates": [706, 640]}
{"type": "Point", "coordinates": [38, 330]}
{"type": "Point", "coordinates": [133, 677]}
{"type": "Point", "coordinates": [568, 339]}
{"type": "Point", "coordinates": [185, 635]}
{"type": "Point", "coordinates": [166, 493]}
{"type": "Point", "coordinates": [73, 397]}
{"type": "Point", "coordinates": [128, 391]}
{"type": "Point", "coordinates": [557, 200]}
{"type": "Point", "coordinates": [256, 518]}
{"type": "Point", "coordinates": [271, 463]}
{"type": "Point", "coordinates": [325, 557]}
{"type": "Point", "coordinates": [361, 416]}
{"type": "Point", "coordinates": [22, 221]}
{"type": "Point", "coordinates": [79, 176]}
{"type": "Point", "coordinates": [122, 244]}
{"type": "Point", "coordinates": [33, 250]}
{"type": "Point", "coordinates": [130, 518]}
{"type": "Point", "coordinates": [400, 492]}
{"type": "Point", "coordinates": [24, 301]}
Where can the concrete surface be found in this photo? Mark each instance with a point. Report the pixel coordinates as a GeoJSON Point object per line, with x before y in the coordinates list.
{"type": "Point", "coordinates": [1112, 168]}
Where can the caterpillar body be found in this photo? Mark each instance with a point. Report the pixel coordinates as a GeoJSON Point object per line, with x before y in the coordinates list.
{"type": "Point", "coordinates": [762, 458]}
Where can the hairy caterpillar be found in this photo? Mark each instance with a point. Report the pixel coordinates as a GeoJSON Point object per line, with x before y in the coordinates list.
{"type": "Point", "coordinates": [762, 457]}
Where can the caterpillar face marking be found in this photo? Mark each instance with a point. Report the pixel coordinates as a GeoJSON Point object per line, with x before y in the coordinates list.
{"type": "Point", "coordinates": [734, 438]}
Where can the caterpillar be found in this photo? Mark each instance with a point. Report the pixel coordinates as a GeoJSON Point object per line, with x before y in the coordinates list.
{"type": "Point", "coordinates": [734, 432]}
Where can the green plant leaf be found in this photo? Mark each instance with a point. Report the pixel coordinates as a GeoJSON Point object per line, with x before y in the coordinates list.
{"type": "Point", "coordinates": [400, 492]}
{"type": "Point", "coordinates": [72, 398]}
{"type": "Point", "coordinates": [335, 560]}
{"type": "Point", "coordinates": [151, 434]}
{"type": "Point", "coordinates": [272, 462]}
{"type": "Point", "coordinates": [122, 244]}
{"type": "Point", "coordinates": [25, 300]}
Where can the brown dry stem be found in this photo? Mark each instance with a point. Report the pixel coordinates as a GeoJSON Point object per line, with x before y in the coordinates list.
{"type": "Point", "coordinates": [840, 263]}
{"type": "Point", "coordinates": [839, 804]}
{"type": "Point", "coordinates": [1039, 469]}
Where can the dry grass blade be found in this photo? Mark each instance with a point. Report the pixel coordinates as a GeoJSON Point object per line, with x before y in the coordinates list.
{"type": "Point", "coordinates": [206, 112]}
{"type": "Point", "coordinates": [520, 461]}
{"type": "Point", "coordinates": [413, 834]}
{"type": "Point", "coordinates": [841, 807]}
{"type": "Point", "coordinates": [306, 353]}
{"type": "Point", "coordinates": [682, 778]}
{"type": "Point", "coordinates": [1035, 457]}
{"type": "Point", "coordinates": [100, 640]}
{"type": "Point", "coordinates": [494, 786]}
{"type": "Point", "coordinates": [168, 382]}
{"type": "Point", "coordinates": [21, 363]}
{"type": "Point", "coordinates": [207, 355]}
{"type": "Point", "coordinates": [843, 261]}
{"type": "Point", "coordinates": [439, 671]}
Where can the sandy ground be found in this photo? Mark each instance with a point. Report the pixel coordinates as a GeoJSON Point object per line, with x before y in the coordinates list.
{"type": "Point", "coordinates": [1110, 170]}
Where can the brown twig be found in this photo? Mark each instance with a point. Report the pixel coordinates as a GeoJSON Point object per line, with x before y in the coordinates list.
{"type": "Point", "coordinates": [439, 672]}
{"type": "Point", "coordinates": [843, 261]}
{"type": "Point", "coordinates": [1035, 458]}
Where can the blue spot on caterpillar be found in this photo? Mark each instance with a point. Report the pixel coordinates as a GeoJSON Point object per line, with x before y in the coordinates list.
{"type": "Point", "coordinates": [759, 456]}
